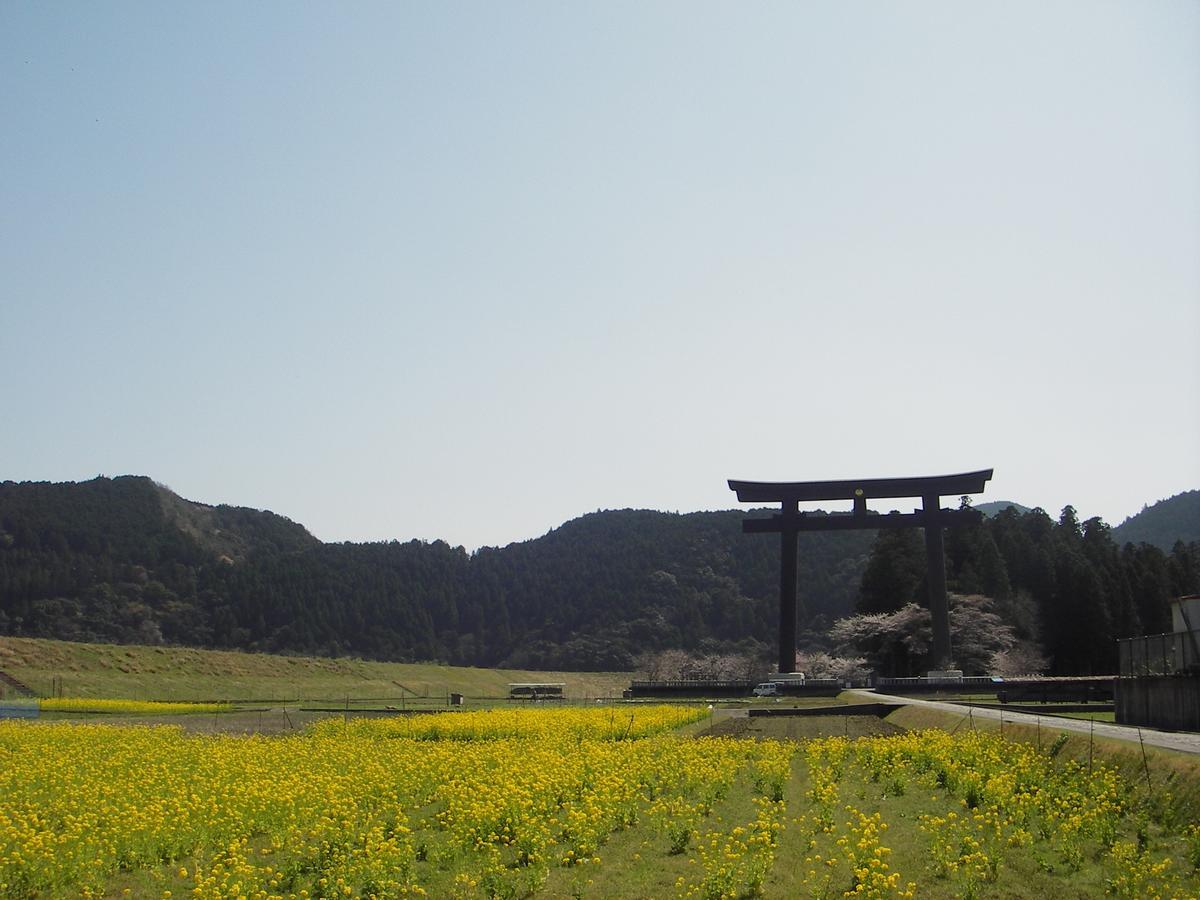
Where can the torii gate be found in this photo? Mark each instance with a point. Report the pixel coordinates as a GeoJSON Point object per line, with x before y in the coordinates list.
{"type": "Point", "coordinates": [789, 522]}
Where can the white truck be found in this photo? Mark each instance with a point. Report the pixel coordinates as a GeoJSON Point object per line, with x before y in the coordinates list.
{"type": "Point", "coordinates": [774, 687]}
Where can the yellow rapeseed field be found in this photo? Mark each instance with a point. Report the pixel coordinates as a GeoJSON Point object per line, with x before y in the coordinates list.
{"type": "Point", "coordinates": [127, 707]}
{"type": "Point", "coordinates": [504, 803]}
{"type": "Point", "coordinates": [485, 803]}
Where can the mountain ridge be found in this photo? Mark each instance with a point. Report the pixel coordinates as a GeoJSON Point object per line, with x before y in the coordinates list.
{"type": "Point", "coordinates": [127, 560]}
{"type": "Point", "coordinates": [1162, 524]}
{"type": "Point", "coordinates": [995, 507]}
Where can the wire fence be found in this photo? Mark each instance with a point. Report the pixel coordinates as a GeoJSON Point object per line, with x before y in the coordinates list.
{"type": "Point", "coordinates": [943, 681]}
{"type": "Point", "coordinates": [1159, 654]}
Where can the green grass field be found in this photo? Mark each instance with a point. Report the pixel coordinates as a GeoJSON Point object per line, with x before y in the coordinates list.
{"type": "Point", "coordinates": [1090, 716]}
{"type": "Point", "coordinates": [179, 673]}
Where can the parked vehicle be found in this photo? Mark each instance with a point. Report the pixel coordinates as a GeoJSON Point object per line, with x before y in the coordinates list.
{"type": "Point", "coordinates": [767, 689]}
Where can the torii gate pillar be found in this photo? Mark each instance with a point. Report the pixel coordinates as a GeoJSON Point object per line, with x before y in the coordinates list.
{"type": "Point", "coordinates": [789, 522]}
{"type": "Point", "coordinates": [787, 593]}
{"type": "Point", "coordinates": [935, 568]}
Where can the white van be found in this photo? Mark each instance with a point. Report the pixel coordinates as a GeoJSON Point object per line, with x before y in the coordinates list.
{"type": "Point", "coordinates": [767, 689]}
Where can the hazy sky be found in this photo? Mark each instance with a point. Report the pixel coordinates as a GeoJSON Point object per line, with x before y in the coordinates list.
{"type": "Point", "coordinates": [468, 270]}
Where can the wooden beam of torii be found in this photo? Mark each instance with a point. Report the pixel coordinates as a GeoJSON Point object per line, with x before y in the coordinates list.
{"type": "Point", "coordinates": [789, 522]}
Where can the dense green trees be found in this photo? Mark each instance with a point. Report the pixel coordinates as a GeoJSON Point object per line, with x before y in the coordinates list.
{"type": "Point", "coordinates": [895, 573]}
{"type": "Point", "coordinates": [126, 560]}
{"type": "Point", "coordinates": [1167, 521]}
{"type": "Point", "coordinates": [1065, 588]}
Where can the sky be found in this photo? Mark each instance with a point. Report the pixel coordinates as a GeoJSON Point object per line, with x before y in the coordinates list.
{"type": "Point", "coordinates": [469, 270]}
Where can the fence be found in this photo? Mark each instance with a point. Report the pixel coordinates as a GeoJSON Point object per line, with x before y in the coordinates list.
{"type": "Point", "coordinates": [920, 682]}
{"type": "Point", "coordinates": [1159, 654]}
{"type": "Point", "coordinates": [1159, 701]}
{"type": "Point", "coordinates": [1073, 689]}
{"type": "Point", "coordinates": [812, 687]}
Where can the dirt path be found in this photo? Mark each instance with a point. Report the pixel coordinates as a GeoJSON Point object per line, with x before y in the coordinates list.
{"type": "Point", "coordinates": [1185, 742]}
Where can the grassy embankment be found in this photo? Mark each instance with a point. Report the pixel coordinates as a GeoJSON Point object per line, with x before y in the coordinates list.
{"type": "Point", "coordinates": [180, 673]}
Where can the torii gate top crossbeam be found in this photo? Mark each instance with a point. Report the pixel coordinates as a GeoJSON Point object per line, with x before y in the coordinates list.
{"type": "Point", "coordinates": [796, 491]}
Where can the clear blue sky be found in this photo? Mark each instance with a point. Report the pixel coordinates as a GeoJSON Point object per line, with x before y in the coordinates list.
{"type": "Point", "coordinates": [468, 270]}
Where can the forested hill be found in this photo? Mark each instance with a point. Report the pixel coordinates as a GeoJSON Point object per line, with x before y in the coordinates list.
{"type": "Point", "coordinates": [1167, 521]}
{"type": "Point", "coordinates": [133, 519]}
{"type": "Point", "coordinates": [125, 559]}
{"type": "Point", "coordinates": [995, 507]}
{"type": "Point", "coordinates": [1066, 588]}
{"type": "Point", "coordinates": [647, 580]}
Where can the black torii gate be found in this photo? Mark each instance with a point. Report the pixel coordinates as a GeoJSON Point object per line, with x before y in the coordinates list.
{"type": "Point", "coordinates": [789, 522]}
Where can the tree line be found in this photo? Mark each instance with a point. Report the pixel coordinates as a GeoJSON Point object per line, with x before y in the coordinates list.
{"type": "Point", "coordinates": [1060, 591]}
{"type": "Point", "coordinates": [126, 560]}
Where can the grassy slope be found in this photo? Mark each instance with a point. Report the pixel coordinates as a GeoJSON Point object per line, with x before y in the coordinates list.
{"type": "Point", "coordinates": [178, 673]}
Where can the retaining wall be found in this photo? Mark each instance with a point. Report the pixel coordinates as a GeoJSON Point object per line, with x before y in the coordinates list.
{"type": "Point", "coordinates": [1171, 702]}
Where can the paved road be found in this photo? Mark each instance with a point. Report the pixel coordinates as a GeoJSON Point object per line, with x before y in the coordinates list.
{"type": "Point", "coordinates": [1182, 741]}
